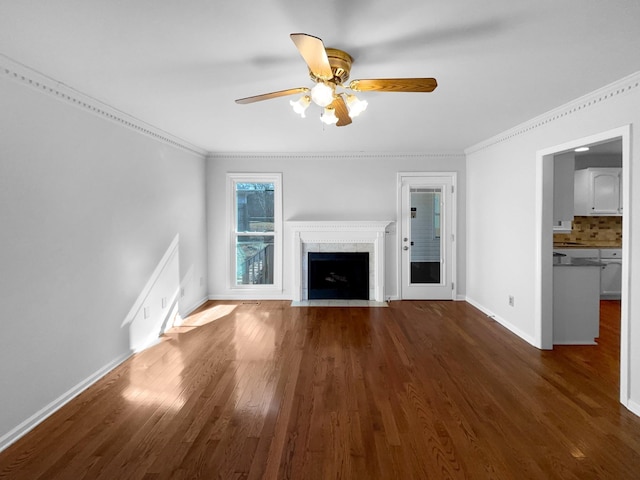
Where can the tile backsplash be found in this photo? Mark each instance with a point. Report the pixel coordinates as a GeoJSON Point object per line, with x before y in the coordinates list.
{"type": "Point", "coordinates": [603, 231]}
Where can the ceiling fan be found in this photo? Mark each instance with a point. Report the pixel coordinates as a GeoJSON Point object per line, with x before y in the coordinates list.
{"type": "Point", "coordinates": [330, 69]}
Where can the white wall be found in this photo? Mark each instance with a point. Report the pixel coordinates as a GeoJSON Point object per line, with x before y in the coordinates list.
{"type": "Point", "coordinates": [501, 209]}
{"type": "Point", "coordinates": [326, 187]}
{"type": "Point", "coordinates": [88, 208]}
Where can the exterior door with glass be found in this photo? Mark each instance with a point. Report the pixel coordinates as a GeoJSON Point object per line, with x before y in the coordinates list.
{"type": "Point", "coordinates": [427, 237]}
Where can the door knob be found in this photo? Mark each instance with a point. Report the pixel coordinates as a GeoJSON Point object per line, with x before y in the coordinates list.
{"type": "Point", "coordinates": [405, 248]}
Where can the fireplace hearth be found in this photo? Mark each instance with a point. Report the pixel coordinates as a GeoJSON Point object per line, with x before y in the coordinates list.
{"type": "Point", "coordinates": [338, 275]}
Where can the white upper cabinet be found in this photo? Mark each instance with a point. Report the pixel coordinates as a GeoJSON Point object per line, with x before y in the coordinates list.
{"type": "Point", "coordinates": [563, 187]}
{"type": "Point", "coordinates": [597, 191]}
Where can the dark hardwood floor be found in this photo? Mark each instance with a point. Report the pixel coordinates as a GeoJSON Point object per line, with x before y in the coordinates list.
{"type": "Point", "coordinates": [419, 390]}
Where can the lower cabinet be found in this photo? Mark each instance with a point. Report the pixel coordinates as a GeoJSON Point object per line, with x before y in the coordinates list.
{"type": "Point", "coordinates": [611, 273]}
{"type": "Point", "coordinates": [576, 305]}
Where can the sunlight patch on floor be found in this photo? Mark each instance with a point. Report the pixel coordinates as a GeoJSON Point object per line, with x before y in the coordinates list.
{"type": "Point", "coordinates": [151, 386]}
{"type": "Point", "coordinates": [203, 318]}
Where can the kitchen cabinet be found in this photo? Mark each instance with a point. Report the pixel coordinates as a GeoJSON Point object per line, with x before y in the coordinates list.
{"type": "Point", "coordinates": [611, 273]}
{"type": "Point", "coordinates": [576, 301]}
{"type": "Point", "coordinates": [597, 191]}
{"type": "Point", "coordinates": [563, 185]}
{"type": "Point", "coordinates": [610, 260]}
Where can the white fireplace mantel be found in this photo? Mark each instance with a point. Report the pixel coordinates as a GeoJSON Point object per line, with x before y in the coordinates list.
{"type": "Point", "coordinates": [339, 232]}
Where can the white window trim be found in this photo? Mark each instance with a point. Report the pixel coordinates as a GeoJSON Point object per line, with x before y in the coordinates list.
{"type": "Point", "coordinates": [276, 179]}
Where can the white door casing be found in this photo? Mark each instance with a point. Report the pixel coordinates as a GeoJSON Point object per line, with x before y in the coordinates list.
{"type": "Point", "coordinates": [427, 235]}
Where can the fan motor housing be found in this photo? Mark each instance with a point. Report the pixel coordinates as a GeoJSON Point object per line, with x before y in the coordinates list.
{"type": "Point", "coordinates": [340, 62]}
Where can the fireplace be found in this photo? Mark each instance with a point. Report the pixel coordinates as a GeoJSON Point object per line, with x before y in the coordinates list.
{"type": "Point", "coordinates": [338, 275]}
{"type": "Point", "coordinates": [338, 237]}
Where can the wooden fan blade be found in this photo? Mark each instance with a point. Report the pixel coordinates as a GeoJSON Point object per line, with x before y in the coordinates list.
{"type": "Point", "coordinates": [314, 54]}
{"type": "Point", "coordinates": [341, 112]}
{"type": "Point", "coordinates": [395, 85]}
{"type": "Point", "coordinates": [267, 96]}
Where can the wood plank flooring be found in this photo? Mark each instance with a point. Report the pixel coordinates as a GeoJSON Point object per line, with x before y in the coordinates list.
{"type": "Point", "coordinates": [419, 390]}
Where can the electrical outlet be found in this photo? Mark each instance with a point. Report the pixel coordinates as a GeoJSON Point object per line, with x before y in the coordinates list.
{"type": "Point", "coordinates": [146, 312]}
{"type": "Point", "coordinates": [182, 291]}
{"type": "Point", "coordinates": [201, 281]}
{"type": "Point", "coordinates": [164, 302]}
{"type": "Point", "coordinates": [511, 301]}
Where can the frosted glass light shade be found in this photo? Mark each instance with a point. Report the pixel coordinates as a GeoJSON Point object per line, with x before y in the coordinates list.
{"type": "Point", "coordinates": [322, 94]}
{"type": "Point", "coordinates": [356, 106]}
{"type": "Point", "coordinates": [329, 116]}
{"type": "Point", "coordinates": [300, 105]}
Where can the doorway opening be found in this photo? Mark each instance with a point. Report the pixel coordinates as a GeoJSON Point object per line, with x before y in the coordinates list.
{"type": "Point", "coordinates": [546, 221]}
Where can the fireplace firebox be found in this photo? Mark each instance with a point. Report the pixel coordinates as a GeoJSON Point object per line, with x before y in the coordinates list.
{"type": "Point", "coordinates": [339, 275]}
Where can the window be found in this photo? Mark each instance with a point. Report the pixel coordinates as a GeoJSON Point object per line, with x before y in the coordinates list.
{"type": "Point", "coordinates": [256, 218]}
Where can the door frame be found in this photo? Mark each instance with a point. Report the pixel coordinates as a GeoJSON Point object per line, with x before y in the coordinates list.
{"type": "Point", "coordinates": [401, 176]}
{"type": "Point", "coordinates": [543, 297]}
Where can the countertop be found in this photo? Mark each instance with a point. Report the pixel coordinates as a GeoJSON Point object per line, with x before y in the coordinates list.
{"type": "Point", "coordinates": [575, 262]}
{"type": "Point", "coordinates": [587, 245]}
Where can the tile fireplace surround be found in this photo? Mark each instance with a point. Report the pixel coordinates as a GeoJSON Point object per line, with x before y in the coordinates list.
{"type": "Point", "coordinates": [338, 236]}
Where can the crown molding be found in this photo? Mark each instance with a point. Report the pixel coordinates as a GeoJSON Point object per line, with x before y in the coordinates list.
{"type": "Point", "coordinates": [27, 76]}
{"type": "Point", "coordinates": [604, 94]}
{"type": "Point", "coordinates": [328, 155]}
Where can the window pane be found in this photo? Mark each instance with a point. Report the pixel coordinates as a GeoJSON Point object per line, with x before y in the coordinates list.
{"type": "Point", "coordinates": [254, 260]}
{"type": "Point", "coordinates": [254, 203]}
{"type": "Point", "coordinates": [425, 235]}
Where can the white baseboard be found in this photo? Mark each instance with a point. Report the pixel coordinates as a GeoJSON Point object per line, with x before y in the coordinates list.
{"type": "Point", "coordinates": [251, 296]}
{"type": "Point", "coordinates": [509, 326]}
{"type": "Point", "coordinates": [186, 311]}
{"type": "Point", "coordinates": [389, 298]}
{"type": "Point", "coordinates": [634, 407]}
{"type": "Point", "coordinates": [42, 414]}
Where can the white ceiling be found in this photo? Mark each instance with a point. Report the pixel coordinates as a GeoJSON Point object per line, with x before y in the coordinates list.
{"type": "Point", "coordinates": [179, 65]}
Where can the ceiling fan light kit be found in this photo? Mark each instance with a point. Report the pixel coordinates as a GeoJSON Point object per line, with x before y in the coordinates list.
{"type": "Point", "coordinates": [355, 105]}
{"type": "Point", "coordinates": [300, 105]}
{"type": "Point", "coordinates": [328, 116]}
{"type": "Point", "coordinates": [329, 68]}
{"type": "Point", "coordinates": [323, 94]}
